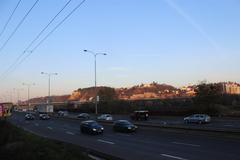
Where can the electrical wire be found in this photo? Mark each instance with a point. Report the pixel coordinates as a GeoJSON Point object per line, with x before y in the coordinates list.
{"type": "Point", "coordinates": [9, 19]}
{"type": "Point", "coordinates": [19, 24]}
{"type": "Point", "coordinates": [36, 38]}
{"type": "Point", "coordinates": [14, 66]}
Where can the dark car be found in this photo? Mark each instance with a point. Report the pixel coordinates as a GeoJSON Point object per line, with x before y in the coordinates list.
{"type": "Point", "coordinates": [124, 126]}
{"type": "Point", "coordinates": [29, 116]}
{"type": "Point", "coordinates": [44, 116]}
{"type": "Point", "coordinates": [83, 116]}
{"type": "Point", "coordinates": [91, 127]}
{"type": "Point", "coordinates": [140, 115]}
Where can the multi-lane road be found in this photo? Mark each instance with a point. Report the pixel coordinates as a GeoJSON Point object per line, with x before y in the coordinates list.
{"type": "Point", "coordinates": [146, 143]}
{"type": "Point", "coordinates": [217, 123]}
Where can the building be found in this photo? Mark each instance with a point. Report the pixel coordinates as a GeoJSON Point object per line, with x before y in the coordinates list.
{"type": "Point", "coordinates": [231, 88]}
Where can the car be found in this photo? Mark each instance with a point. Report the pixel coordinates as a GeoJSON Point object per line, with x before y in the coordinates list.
{"type": "Point", "coordinates": [197, 118]}
{"type": "Point", "coordinates": [140, 115]}
{"type": "Point", "coordinates": [29, 116]}
{"type": "Point", "coordinates": [124, 126]}
{"type": "Point", "coordinates": [62, 113]}
{"type": "Point", "coordinates": [83, 116]}
{"type": "Point", "coordinates": [91, 127]}
{"type": "Point", "coordinates": [106, 117]}
{"type": "Point", "coordinates": [44, 116]}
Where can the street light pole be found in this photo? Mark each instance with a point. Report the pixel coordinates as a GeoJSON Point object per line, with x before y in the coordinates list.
{"type": "Point", "coordinates": [49, 84]}
{"type": "Point", "coordinates": [28, 89]}
{"type": "Point", "coordinates": [95, 75]}
{"type": "Point", "coordinates": [18, 94]}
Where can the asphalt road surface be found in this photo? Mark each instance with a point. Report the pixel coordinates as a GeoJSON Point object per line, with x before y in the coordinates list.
{"type": "Point", "coordinates": [217, 123]}
{"type": "Point", "coordinates": [146, 143]}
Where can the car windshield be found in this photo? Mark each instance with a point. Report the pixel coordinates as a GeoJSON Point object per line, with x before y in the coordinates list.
{"type": "Point", "coordinates": [125, 123]}
{"type": "Point", "coordinates": [93, 124]}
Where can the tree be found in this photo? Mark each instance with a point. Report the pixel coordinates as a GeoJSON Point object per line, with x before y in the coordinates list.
{"type": "Point", "coordinates": [208, 93]}
{"type": "Point", "coordinates": [107, 94]}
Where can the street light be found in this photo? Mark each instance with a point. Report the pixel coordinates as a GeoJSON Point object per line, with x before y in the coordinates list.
{"type": "Point", "coordinates": [18, 90]}
{"type": "Point", "coordinates": [29, 85]}
{"type": "Point", "coordinates": [49, 83]}
{"type": "Point", "coordinates": [95, 74]}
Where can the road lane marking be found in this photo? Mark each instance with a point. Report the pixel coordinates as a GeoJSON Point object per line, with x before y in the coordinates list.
{"type": "Point", "coordinates": [71, 133]}
{"type": "Point", "coordinates": [125, 135]}
{"type": "Point", "coordinates": [173, 157]}
{"type": "Point", "coordinates": [94, 157]}
{"type": "Point", "coordinates": [228, 125]}
{"type": "Point", "coordinates": [186, 144]}
{"type": "Point", "coordinates": [108, 142]}
{"type": "Point", "coordinates": [50, 128]}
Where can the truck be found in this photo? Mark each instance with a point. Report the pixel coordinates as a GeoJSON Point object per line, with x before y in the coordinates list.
{"type": "Point", "coordinates": [44, 108]}
{"type": "Point", "coordinates": [5, 109]}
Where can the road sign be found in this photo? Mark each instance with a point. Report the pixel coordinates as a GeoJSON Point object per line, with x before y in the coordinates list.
{"type": "Point", "coordinates": [97, 98]}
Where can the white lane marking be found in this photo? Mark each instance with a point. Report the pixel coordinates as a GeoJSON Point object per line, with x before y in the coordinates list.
{"type": "Point", "coordinates": [36, 124]}
{"type": "Point", "coordinates": [94, 157]}
{"type": "Point", "coordinates": [173, 157]}
{"type": "Point", "coordinates": [50, 128]}
{"type": "Point", "coordinates": [186, 144]}
{"type": "Point", "coordinates": [71, 133]}
{"type": "Point", "coordinates": [228, 125]}
{"type": "Point", "coordinates": [108, 142]}
{"type": "Point", "coordinates": [125, 135]}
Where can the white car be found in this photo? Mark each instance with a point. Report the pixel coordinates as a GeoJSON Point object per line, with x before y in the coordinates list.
{"type": "Point", "coordinates": [106, 117]}
{"type": "Point", "coordinates": [62, 113]}
{"type": "Point", "coordinates": [197, 118]}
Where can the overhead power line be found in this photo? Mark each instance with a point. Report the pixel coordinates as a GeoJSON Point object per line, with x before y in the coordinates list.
{"type": "Point", "coordinates": [19, 61]}
{"type": "Point", "coordinates": [19, 24]}
{"type": "Point", "coordinates": [10, 17]}
{"type": "Point", "coordinates": [35, 39]}
{"type": "Point", "coordinates": [58, 25]}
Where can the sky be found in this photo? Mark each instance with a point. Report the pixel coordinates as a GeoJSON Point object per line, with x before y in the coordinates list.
{"type": "Point", "coordinates": [177, 42]}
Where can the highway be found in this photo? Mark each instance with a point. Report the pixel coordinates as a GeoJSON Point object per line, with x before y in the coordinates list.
{"type": "Point", "coordinates": [217, 123]}
{"type": "Point", "coordinates": [146, 143]}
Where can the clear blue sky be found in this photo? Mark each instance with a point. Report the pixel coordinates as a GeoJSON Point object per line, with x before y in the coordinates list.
{"type": "Point", "coordinates": [175, 42]}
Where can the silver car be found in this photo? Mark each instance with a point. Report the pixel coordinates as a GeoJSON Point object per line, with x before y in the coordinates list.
{"type": "Point", "coordinates": [106, 117]}
{"type": "Point", "coordinates": [198, 118]}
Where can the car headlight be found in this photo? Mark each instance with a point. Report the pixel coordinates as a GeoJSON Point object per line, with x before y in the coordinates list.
{"type": "Point", "coordinates": [102, 128]}
{"type": "Point", "coordinates": [94, 129]}
{"type": "Point", "coordinates": [129, 128]}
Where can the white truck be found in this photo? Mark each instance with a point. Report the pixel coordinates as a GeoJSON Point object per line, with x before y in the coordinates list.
{"type": "Point", "coordinates": [45, 108]}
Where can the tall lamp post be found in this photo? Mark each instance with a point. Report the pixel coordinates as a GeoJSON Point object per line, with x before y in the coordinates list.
{"type": "Point", "coordinates": [18, 90]}
{"type": "Point", "coordinates": [49, 84]}
{"type": "Point", "coordinates": [95, 74]}
{"type": "Point", "coordinates": [29, 85]}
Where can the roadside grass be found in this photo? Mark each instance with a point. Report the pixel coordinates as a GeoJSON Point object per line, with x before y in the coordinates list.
{"type": "Point", "coordinates": [17, 144]}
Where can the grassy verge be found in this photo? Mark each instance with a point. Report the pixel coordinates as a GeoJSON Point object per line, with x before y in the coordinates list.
{"type": "Point", "coordinates": [18, 144]}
